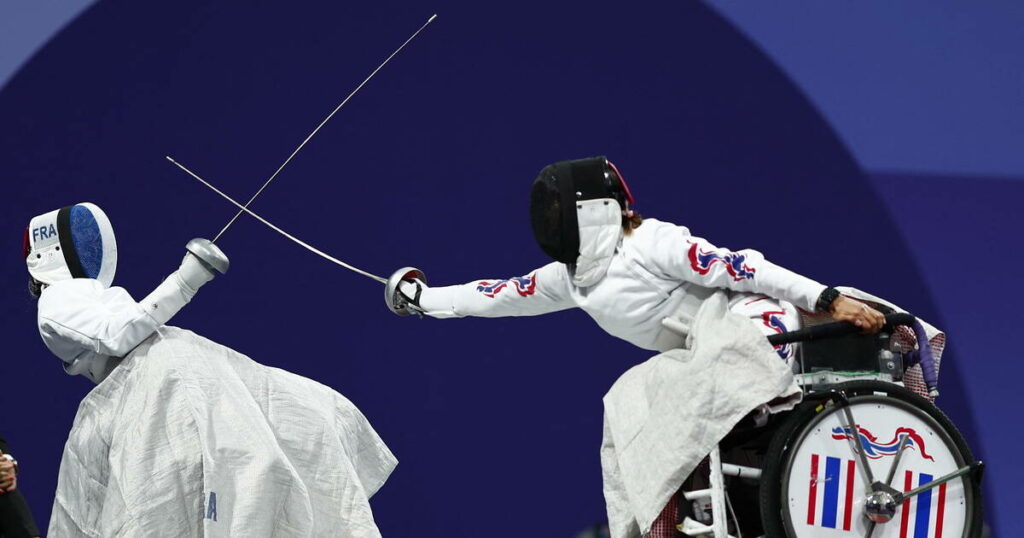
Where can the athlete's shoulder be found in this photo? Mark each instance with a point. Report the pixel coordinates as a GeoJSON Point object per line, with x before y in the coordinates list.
{"type": "Point", "coordinates": [71, 290]}
{"type": "Point", "coordinates": [651, 224]}
{"type": "Point", "coordinates": [73, 285]}
{"type": "Point", "coordinates": [65, 294]}
{"type": "Point", "coordinates": [653, 231]}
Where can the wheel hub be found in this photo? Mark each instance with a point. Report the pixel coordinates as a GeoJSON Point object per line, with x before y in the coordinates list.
{"type": "Point", "coordinates": [880, 506]}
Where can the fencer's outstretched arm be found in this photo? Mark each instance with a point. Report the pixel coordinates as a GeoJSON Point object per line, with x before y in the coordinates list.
{"type": "Point", "coordinates": [542, 291]}
{"type": "Point", "coordinates": [83, 322]}
{"type": "Point", "coordinates": [677, 254]}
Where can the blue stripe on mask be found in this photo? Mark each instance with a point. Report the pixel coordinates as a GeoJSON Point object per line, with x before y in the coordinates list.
{"type": "Point", "coordinates": [85, 235]}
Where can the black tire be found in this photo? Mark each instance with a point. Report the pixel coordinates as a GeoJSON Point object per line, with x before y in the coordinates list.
{"type": "Point", "coordinates": [780, 450]}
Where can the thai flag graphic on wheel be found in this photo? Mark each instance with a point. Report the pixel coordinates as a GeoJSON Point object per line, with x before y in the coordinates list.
{"type": "Point", "coordinates": [823, 482]}
{"type": "Point", "coordinates": [924, 515]}
{"type": "Point", "coordinates": [875, 449]}
{"type": "Point", "coordinates": [830, 492]}
{"type": "Point", "coordinates": [833, 488]}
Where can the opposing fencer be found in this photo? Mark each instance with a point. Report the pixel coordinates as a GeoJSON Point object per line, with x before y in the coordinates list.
{"type": "Point", "coordinates": [182, 436]}
{"type": "Point", "coordinates": [658, 286]}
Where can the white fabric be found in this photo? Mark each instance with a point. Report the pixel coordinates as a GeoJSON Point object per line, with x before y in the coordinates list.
{"type": "Point", "coordinates": [86, 325]}
{"type": "Point", "coordinates": [177, 289]}
{"type": "Point", "coordinates": [600, 226]}
{"type": "Point", "coordinates": [194, 272]}
{"type": "Point", "coordinates": [770, 316]}
{"type": "Point", "coordinates": [189, 438]}
{"type": "Point", "coordinates": [658, 270]}
{"type": "Point", "coordinates": [47, 263]}
{"type": "Point", "coordinates": [168, 298]}
{"type": "Point", "coordinates": [662, 417]}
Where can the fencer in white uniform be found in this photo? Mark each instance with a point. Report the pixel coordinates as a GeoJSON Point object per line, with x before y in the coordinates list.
{"type": "Point", "coordinates": [630, 274]}
{"type": "Point", "coordinates": [646, 281]}
{"type": "Point", "coordinates": [90, 326]}
{"type": "Point", "coordinates": [182, 436]}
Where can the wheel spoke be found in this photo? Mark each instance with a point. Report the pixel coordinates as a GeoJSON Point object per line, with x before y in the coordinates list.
{"type": "Point", "coordinates": [896, 460]}
{"type": "Point", "coordinates": [858, 446]}
{"type": "Point", "coordinates": [955, 474]}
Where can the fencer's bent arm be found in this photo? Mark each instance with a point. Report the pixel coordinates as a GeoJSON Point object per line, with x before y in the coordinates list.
{"type": "Point", "coordinates": [678, 254]}
{"type": "Point", "coordinates": [80, 316]}
{"type": "Point", "coordinates": [542, 291]}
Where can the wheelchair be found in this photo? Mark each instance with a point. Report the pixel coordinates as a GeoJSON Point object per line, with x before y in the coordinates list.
{"type": "Point", "coordinates": [862, 455]}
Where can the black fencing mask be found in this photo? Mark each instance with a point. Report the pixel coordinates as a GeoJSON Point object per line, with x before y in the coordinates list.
{"type": "Point", "coordinates": [553, 202]}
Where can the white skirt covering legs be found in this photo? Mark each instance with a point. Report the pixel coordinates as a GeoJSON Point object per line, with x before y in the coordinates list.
{"type": "Point", "coordinates": [662, 417]}
{"type": "Point", "coordinates": [189, 438]}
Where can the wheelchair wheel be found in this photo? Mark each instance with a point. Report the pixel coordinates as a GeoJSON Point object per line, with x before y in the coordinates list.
{"type": "Point", "coordinates": [814, 485]}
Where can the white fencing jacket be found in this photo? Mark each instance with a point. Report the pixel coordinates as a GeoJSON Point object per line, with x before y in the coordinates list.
{"type": "Point", "coordinates": [90, 327]}
{"type": "Point", "coordinates": [185, 437]}
{"type": "Point", "coordinates": [657, 271]}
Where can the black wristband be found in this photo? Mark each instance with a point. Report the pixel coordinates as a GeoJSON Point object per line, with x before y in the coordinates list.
{"type": "Point", "coordinates": [826, 299]}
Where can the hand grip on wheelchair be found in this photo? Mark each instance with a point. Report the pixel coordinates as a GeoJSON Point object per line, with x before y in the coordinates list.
{"type": "Point", "coordinates": [843, 328]}
{"type": "Point", "coordinates": [837, 329]}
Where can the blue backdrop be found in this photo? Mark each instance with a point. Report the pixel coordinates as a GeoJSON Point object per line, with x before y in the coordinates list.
{"type": "Point", "coordinates": [496, 423]}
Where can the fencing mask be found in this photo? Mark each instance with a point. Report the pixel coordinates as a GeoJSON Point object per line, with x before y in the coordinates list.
{"type": "Point", "coordinates": [72, 242]}
{"type": "Point", "coordinates": [557, 197]}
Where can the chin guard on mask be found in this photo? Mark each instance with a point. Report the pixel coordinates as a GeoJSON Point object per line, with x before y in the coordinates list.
{"type": "Point", "coordinates": [561, 219]}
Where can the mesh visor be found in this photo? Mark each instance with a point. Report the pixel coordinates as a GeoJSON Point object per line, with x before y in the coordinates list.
{"type": "Point", "coordinates": [553, 215]}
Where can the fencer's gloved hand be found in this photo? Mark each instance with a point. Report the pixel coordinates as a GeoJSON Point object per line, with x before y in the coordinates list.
{"type": "Point", "coordinates": [403, 289]}
{"type": "Point", "coordinates": [202, 261]}
{"type": "Point", "coordinates": [410, 290]}
{"type": "Point", "coordinates": [193, 273]}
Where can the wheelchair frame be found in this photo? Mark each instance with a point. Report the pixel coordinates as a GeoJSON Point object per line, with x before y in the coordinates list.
{"type": "Point", "coordinates": [881, 495]}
